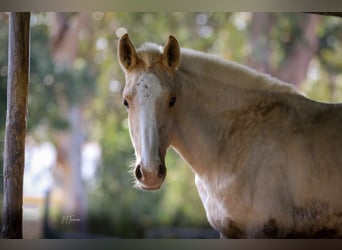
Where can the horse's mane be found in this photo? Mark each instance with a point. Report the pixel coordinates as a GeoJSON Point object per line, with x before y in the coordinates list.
{"type": "Point", "coordinates": [217, 68]}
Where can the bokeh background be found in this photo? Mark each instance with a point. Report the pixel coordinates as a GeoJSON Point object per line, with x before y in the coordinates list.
{"type": "Point", "coordinates": [78, 151]}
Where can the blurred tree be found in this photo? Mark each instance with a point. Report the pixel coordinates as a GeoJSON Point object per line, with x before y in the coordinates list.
{"type": "Point", "coordinates": [294, 47]}
{"type": "Point", "coordinates": [330, 50]}
{"type": "Point", "coordinates": [64, 78]}
{"type": "Point", "coordinates": [297, 38]}
{"type": "Point", "coordinates": [65, 50]}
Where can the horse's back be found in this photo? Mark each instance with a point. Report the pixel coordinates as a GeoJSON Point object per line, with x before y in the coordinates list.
{"type": "Point", "coordinates": [315, 171]}
{"type": "Point", "coordinates": [297, 179]}
{"type": "Point", "coordinates": [321, 134]}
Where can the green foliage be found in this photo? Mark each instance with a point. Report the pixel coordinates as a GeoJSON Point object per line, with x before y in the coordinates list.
{"type": "Point", "coordinates": [43, 93]}
{"type": "Point", "coordinates": [56, 85]}
{"type": "Point", "coordinates": [326, 81]}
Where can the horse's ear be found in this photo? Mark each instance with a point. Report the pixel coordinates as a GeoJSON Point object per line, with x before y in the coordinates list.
{"type": "Point", "coordinates": [171, 54]}
{"type": "Point", "coordinates": [126, 53]}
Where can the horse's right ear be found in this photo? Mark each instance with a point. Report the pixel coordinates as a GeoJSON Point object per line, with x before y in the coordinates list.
{"type": "Point", "coordinates": [126, 53]}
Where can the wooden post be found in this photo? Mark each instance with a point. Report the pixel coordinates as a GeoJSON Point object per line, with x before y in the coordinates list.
{"type": "Point", "coordinates": [17, 93]}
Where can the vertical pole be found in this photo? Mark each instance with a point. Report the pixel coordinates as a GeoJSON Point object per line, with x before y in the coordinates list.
{"type": "Point", "coordinates": [17, 94]}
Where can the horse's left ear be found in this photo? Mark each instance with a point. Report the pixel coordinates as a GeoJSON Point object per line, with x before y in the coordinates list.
{"type": "Point", "coordinates": [171, 54]}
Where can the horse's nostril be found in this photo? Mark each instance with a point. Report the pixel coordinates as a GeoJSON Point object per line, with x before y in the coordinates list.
{"type": "Point", "coordinates": [138, 173]}
{"type": "Point", "coordinates": [161, 171]}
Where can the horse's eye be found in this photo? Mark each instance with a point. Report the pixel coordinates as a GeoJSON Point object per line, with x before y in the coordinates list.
{"type": "Point", "coordinates": [125, 102]}
{"type": "Point", "coordinates": [172, 101]}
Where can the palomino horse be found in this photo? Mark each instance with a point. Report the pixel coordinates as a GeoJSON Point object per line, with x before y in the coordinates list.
{"type": "Point", "coordinates": [267, 160]}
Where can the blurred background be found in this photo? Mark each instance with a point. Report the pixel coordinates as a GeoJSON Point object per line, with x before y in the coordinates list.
{"type": "Point", "coordinates": [78, 151]}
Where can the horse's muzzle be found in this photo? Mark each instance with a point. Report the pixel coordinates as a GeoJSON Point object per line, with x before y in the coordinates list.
{"type": "Point", "coordinates": [150, 180]}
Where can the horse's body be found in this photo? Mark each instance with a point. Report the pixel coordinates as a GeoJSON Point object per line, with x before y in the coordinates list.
{"type": "Point", "coordinates": [267, 160]}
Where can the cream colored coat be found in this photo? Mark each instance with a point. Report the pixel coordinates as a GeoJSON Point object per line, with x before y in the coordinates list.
{"type": "Point", "coordinates": [267, 160]}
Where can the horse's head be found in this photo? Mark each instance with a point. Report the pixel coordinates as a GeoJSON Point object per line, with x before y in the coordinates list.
{"type": "Point", "coordinates": [150, 98]}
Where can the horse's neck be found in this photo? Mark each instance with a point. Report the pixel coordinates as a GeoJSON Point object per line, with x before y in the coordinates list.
{"type": "Point", "coordinates": [203, 121]}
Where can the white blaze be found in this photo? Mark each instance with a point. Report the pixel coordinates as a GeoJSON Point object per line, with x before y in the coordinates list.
{"type": "Point", "coordinates": [148, 90]}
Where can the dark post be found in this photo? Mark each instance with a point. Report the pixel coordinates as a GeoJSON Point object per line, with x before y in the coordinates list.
{"type": "Point", "coordinates": [17, 93]}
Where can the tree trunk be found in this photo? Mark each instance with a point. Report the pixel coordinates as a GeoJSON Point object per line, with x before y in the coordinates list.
{"type": "Point", "coordinates": [69, 144]}
{"type": "Point", "coordinates": [65, 41]}
{"type": "Point", "coordinates": [17, 93]}
{"type": "Point", "coordinates": [259, 42]}
{"type": "Point", "coordinates": [65, 36]}
{"type": "Point", "coordinates": [297, 63]}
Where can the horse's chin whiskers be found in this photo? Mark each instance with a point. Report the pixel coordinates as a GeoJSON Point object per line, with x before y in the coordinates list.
{"type": "Point", "coordinates": [132, 177]}
{"type": "Point", "coordinates": [131, 166]}
{"type": "Point", "coordinates": [131, 163]}
{"type": "Point", "coordinates": [137, 185]}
